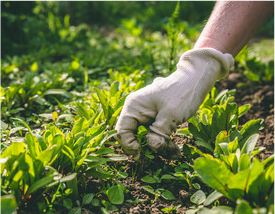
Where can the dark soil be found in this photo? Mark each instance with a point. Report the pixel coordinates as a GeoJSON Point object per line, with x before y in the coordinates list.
{"type": "Point", "coordinates": [261, 98]}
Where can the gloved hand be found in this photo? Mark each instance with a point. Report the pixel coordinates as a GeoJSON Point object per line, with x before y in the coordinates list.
{"type": "Point", "coordinates": [170, 101]}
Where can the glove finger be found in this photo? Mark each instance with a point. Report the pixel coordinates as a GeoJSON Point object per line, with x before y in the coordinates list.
{"type": "Point", "coordinates": [163, 146]}
{"type": "Point", "coordinates": [126, 127]}
{"type": "Point", "coordinates": [158, 138]}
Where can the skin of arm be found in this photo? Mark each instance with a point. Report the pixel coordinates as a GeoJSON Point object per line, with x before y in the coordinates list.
{"type": "Point", "coordinates": [233, 23]}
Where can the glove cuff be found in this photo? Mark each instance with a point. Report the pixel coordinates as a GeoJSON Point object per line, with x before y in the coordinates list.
{"type": "Point", "coordinates": [225, 61]}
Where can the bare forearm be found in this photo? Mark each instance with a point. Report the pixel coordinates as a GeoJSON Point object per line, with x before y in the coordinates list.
{"type": "Point", "coordinates": [233, 23]}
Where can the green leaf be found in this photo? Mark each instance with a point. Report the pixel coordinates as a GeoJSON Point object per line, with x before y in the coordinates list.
{"type": "Point", "coordinates": [43, 182]}
{"type": "Point", "coordinates": [270, 201]}
{"type": "Point", "coordinates": [148, 179]}
{"type": "Point", "coordinates": [99, 172]}
{"type": "Point", "coordinates": [32, 145]}
{"type": "Point", "coordinates": [250, 128]}
{"type": "Point", "coordinates": [67, 202]}
{"type": "Point", "coordinates": [115, 194]}
{"type": "Point", "coordinates": [87, 199]}
{"type": "Point", "coordinates": [104, 101]}
{"type": "Point", "coordinates": [75, 210]}
{"type": "Point", "coordinates": [244, 162]}
{"type": "Point", "coordinates": [233, 145]}
{"type": "Point", "coordinates": [196, 185]}
{"type": "Point", "coordinates": [95, 202]}
{"type": "Point", "coordinates": [8, 204]}
{"type": "Point", "coordinates": [214, 173]}
{"type": "Point", "coordinates": [243, 109]}
{"type": "Point", "coordinates": [198, 197]}
{"type": "Point", "coordinates": [167, 177]}
{"type": "Point", "coordinates": [82, 111]}
{"type": "Point", "coordinates": [61, 92]}
{"type": "Point", "coordinates": [212, 198]}
{"type": "Point", "coordinates": [166, 194]}
{"type": "Point", "coordinates": [243, 207]}
{"type": "Point", "coordinates": [250, 144]}
{"type": "Point", "coordinates": [240, 183]}
{"type": "Point", "coordinates": [4, 126]}
{"type": "Point", "coordinates": [149, 189]}
{"type": "Point", "coordinates": [216, 210]}
{"type": "Point", "coordinates": [184, 131]}
{"type": "Point", "coordinates": [117, 158]}
{"type": "Point", "coordinates": [204, 144]}
{"type": "Point", "coordinates": [78, 125]}
{"type": "Point", "coordinates": [24, 123]}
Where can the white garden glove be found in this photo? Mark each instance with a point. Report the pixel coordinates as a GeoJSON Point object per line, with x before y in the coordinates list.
{"type": "Point", "coordinates": [170, 101]}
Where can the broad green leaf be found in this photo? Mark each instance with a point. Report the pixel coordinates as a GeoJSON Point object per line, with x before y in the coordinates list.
{"type": "Point", "coordinates": [214, 173]}
{"type": "Point", "coordinates": [8, 204]}
{"type": "Point", "coordinates": [14, 149]}
{"type": "Point", "coordinates": [75, 210]}
{"type": "Point", "coordinates": [148, 179]}
{"type": "Point", "coordinates": [250, 128]}
{"type": "Point", "coordinates": [115, 194]}
{"type": "Point", "coordinates": [270, 201]}
{"type": "Point", "coordinates": [240, 183]}
{"type": "Point", "coordinates": [196, 133]}
{"type": "Point", "coordinates": [224, 148]}
{"type": "Point", "coordinates": [78, 125]}
{"type": "Point", "coordinates": [117, 158]}
{"type": "Point", "coordinates": [243, 207]}
{"type": "Point", "coordinates": [104, 151]}
{"type": "Point", "coordinates": [216, 210]}
{"type": "Point", "coordinates": [204, 144]}
{"type": "Point", "coordinates": [4, 126]}
{"type": "Point", "coordinates": [212, 198]}
{"type": "Point", "coordinates": [184, 131]}
{"type": "Point", "coordinates": [114, 88]}
{"type": "Point", "coordinates": [24, 123]}
{"type": "Point", "coordinates": [149, 189]}
{"type": "Point", "coordinates": [243, 109]}
{"type": "Point", "coordinates": [87, 199]}
{"type": "Point", "coordinates": [233, 145]}
{"type": "Point", "coordinates": [244, 162]}
{"type": "Point", "coordinates": [93, 162]}
{"type": "Point", "coordinates": [269, 173]}
{"type": "Point", "coordinates": [99, 172]}
{"type": "Point", "coordinates": [32, 145]}
{"type": "Point", "coordinates": [43, 182]}
{"type": "Point", "coordinates": [82, 111]}
{"type": "Point", "coordinates": [114, 116]}
{"type": "Point", "coordinates": [166, 194]}
{"type": "Point", "coordinates": [198, 197]}
{"type": "Point", "coordinates": [102, 138]}
{"type": "Point", "coordinates": [222, 137]}
{"type": "Point", "coordinates": [61, 92]}
{"type": "Point", "coordinates": [16, 129]}
{"type": "Point", "coordinates": [68, 203]}
{"type": "Point", "coordinates": [250, 144]}
{"type": "Point", "coordinates": [167, 177]}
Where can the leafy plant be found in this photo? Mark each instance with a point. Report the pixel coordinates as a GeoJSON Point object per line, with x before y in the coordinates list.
{"type": "Point", "coordinates": [254, 181]}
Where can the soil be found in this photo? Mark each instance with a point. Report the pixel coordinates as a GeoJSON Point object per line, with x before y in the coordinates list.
{"type": "Point", "coordinates": [261, 99]}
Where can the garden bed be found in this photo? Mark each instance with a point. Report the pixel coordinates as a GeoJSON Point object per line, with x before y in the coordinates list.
{"type": "Point", "coordinates": [261, 99]}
